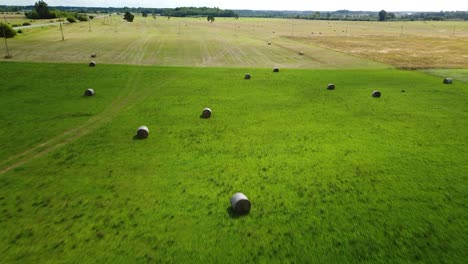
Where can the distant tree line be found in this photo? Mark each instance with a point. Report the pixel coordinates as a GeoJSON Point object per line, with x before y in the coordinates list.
{"type": "Point", "coordinates": [199, 11]}
{"type": "Point", "coordinates": [438, 16]}
{"type": "Point", "coordinates": [356, 15]}
{"type": "Point", "coordinates": [216, 12]}
{"type": "Point", "coordinates": [175, 12]}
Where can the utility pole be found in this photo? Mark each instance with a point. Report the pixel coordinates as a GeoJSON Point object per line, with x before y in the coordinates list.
{"type": "Point", "coordinates": [61, 29]}
{"type": "Point", "coordinates": [7, 56]}
{"type": "Point", "coordinates": [453, 32]}
{"type": "Point", "coordinates": [89, 24]}
{"type": "Point", "coordinates": [401, 32]}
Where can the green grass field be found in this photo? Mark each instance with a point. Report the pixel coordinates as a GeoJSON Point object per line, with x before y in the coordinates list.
{"type": "Point", "coordinates": [333, 176]}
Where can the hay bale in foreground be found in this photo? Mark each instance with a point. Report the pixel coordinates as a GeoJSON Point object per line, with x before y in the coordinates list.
{"type": "Point", "coordinates": [331, 86]}
{"type": "Point", "coordinates": [247, 76]}
{"type": "Point", "coordinates": [92, 64]}
{"type": "Point", "coordinates": [240, 203]}
{"type": "Point", "coordinates": [206, 113]}
{"type": "Point", "coordinates": [143, 132]}
{"type": "Point", "coordinates": [301, 52]}
{"type": "Point", "coordinates": [448, 81]}
{"type": "Point", "coordinates": [275, 69]}
{"type": "Point", "coordinates": [89, 92]}
{"type": "Point", "coordinates": [93, 55]}
{"type": "Point", "coordinates": [376, 94]}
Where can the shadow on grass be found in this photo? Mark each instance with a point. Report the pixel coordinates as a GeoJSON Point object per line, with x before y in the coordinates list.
{"type": "Point", "coordinates": [136, 137]}
{"type": "Point", "coordinates": [233, 214]}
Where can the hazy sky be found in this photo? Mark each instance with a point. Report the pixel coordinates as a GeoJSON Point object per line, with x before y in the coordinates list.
{"type": "Point", "coordinates": [322, 5]}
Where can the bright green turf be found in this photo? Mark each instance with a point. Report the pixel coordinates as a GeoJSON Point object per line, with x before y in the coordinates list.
{"type": "Point", "coordinates": [333, 176]}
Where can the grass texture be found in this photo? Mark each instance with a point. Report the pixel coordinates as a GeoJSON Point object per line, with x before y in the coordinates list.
{"type": "Point", "coordinates": [333, 176]}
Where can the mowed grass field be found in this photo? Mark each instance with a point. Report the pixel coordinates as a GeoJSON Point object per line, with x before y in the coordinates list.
{"type": "Point", "coordinates": [243, 42]}
{"type": "Point", "coordinates": [333, 176]}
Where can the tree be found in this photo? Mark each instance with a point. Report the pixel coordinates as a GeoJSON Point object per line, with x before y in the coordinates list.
{"type": "Point", "coordinates": [128, 16]}
{"type": "Point", "coordinates": [6, 30]}
{"type": "Point", "coordinates": [42, 9]}
{"type": "Point", "coordinates": [144, 14]}
{"type": "Point", "coordinates": [210, 18]}
{"type": "Point", "coordinates": [382, 15]}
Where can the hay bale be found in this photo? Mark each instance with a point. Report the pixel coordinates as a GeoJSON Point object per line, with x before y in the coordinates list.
{"type": "Point", "coordinates": [275, 69]}
{"type": "Point", "coordinates": [206, 113]}
{"type": "Point", "coordinates": [240, 203]}
{"type": "Point", "coordinates": [376, 94]}
{"type": "Point", "coordinates": [403, 91]}
{"type": "Point", "coordinates": [247, 76]}
{"type": "Point", "coordinates": [331, 86]}
{"type": "Point", "coordinates": [448, 81]}
{"type": "Point", "coordinates": [89, 92]}
{"type": "Point", "coordinates": [143, 132]}
{"type": "Point", "coordinates": [93, 55]}
{"type": "Point", "coordinates": [92, 64]}
{"type": "Point", "coordinates": [269, 43]}
{"type": "Point", "coordinates": [301, 52]}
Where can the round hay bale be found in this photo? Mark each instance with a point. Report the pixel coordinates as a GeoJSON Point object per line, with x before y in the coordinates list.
{"type": "Point", "coordinates": [376, 94]}
{"type": "Point", "coordinates": [448, 81]}
{"type": "Point", "coordinates": [275, 69]}
{"type": "Point", "coordinates": [93, 55]}
{"type": "Point", "coordinates": [331, 86]}
{"type": "Point", "coordinates": [403, 91]}
{"type": "Point", "coordinates": [247, 76]}
{"type": "Point", "coordinates": [92, 64]}
{"type": "Point", "coordinates": [206, 113]}
{"type": "Point", "coordinates": [143, 132]}
{"type": "Point", "coordinates": [269, 43]}
{"type": "Point", "coordinates": [301, 52]}
{"type": "Point", "coordinates": [89, 92]}
{"type": "Point", "coordinates": [240, 203]}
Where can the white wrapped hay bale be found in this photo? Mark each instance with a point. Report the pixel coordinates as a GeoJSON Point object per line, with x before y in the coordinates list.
{"type": "Point", "coordinates": [240, 203]}
{"type": "Point", "coordinates": [89, 92]}
{"type": "Point", "coordinates": [206, 113]}
{"type": "Point", "coordinates": [448, 81]}
{"type": "Point", "coordinates": [143, 132]}
{"type": "Point", "coordinates": [376, 94]}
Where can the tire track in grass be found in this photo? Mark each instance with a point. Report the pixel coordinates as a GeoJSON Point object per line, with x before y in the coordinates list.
{"type": "Point", "coordinates": [122, 101]}
{"type": "Point", "coordinates": [68, 133]}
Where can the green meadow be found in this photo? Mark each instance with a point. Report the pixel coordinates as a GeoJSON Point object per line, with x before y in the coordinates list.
{"type": "Point", "coordinates": [334, 176]}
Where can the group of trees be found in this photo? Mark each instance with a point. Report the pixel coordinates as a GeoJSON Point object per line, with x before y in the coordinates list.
{"type": "Point", "coordinates": [129, 16]}
{"type": "Point", "coordinates": [42, 11]}
{"type": "Point", "coordinates": [384, 16]}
